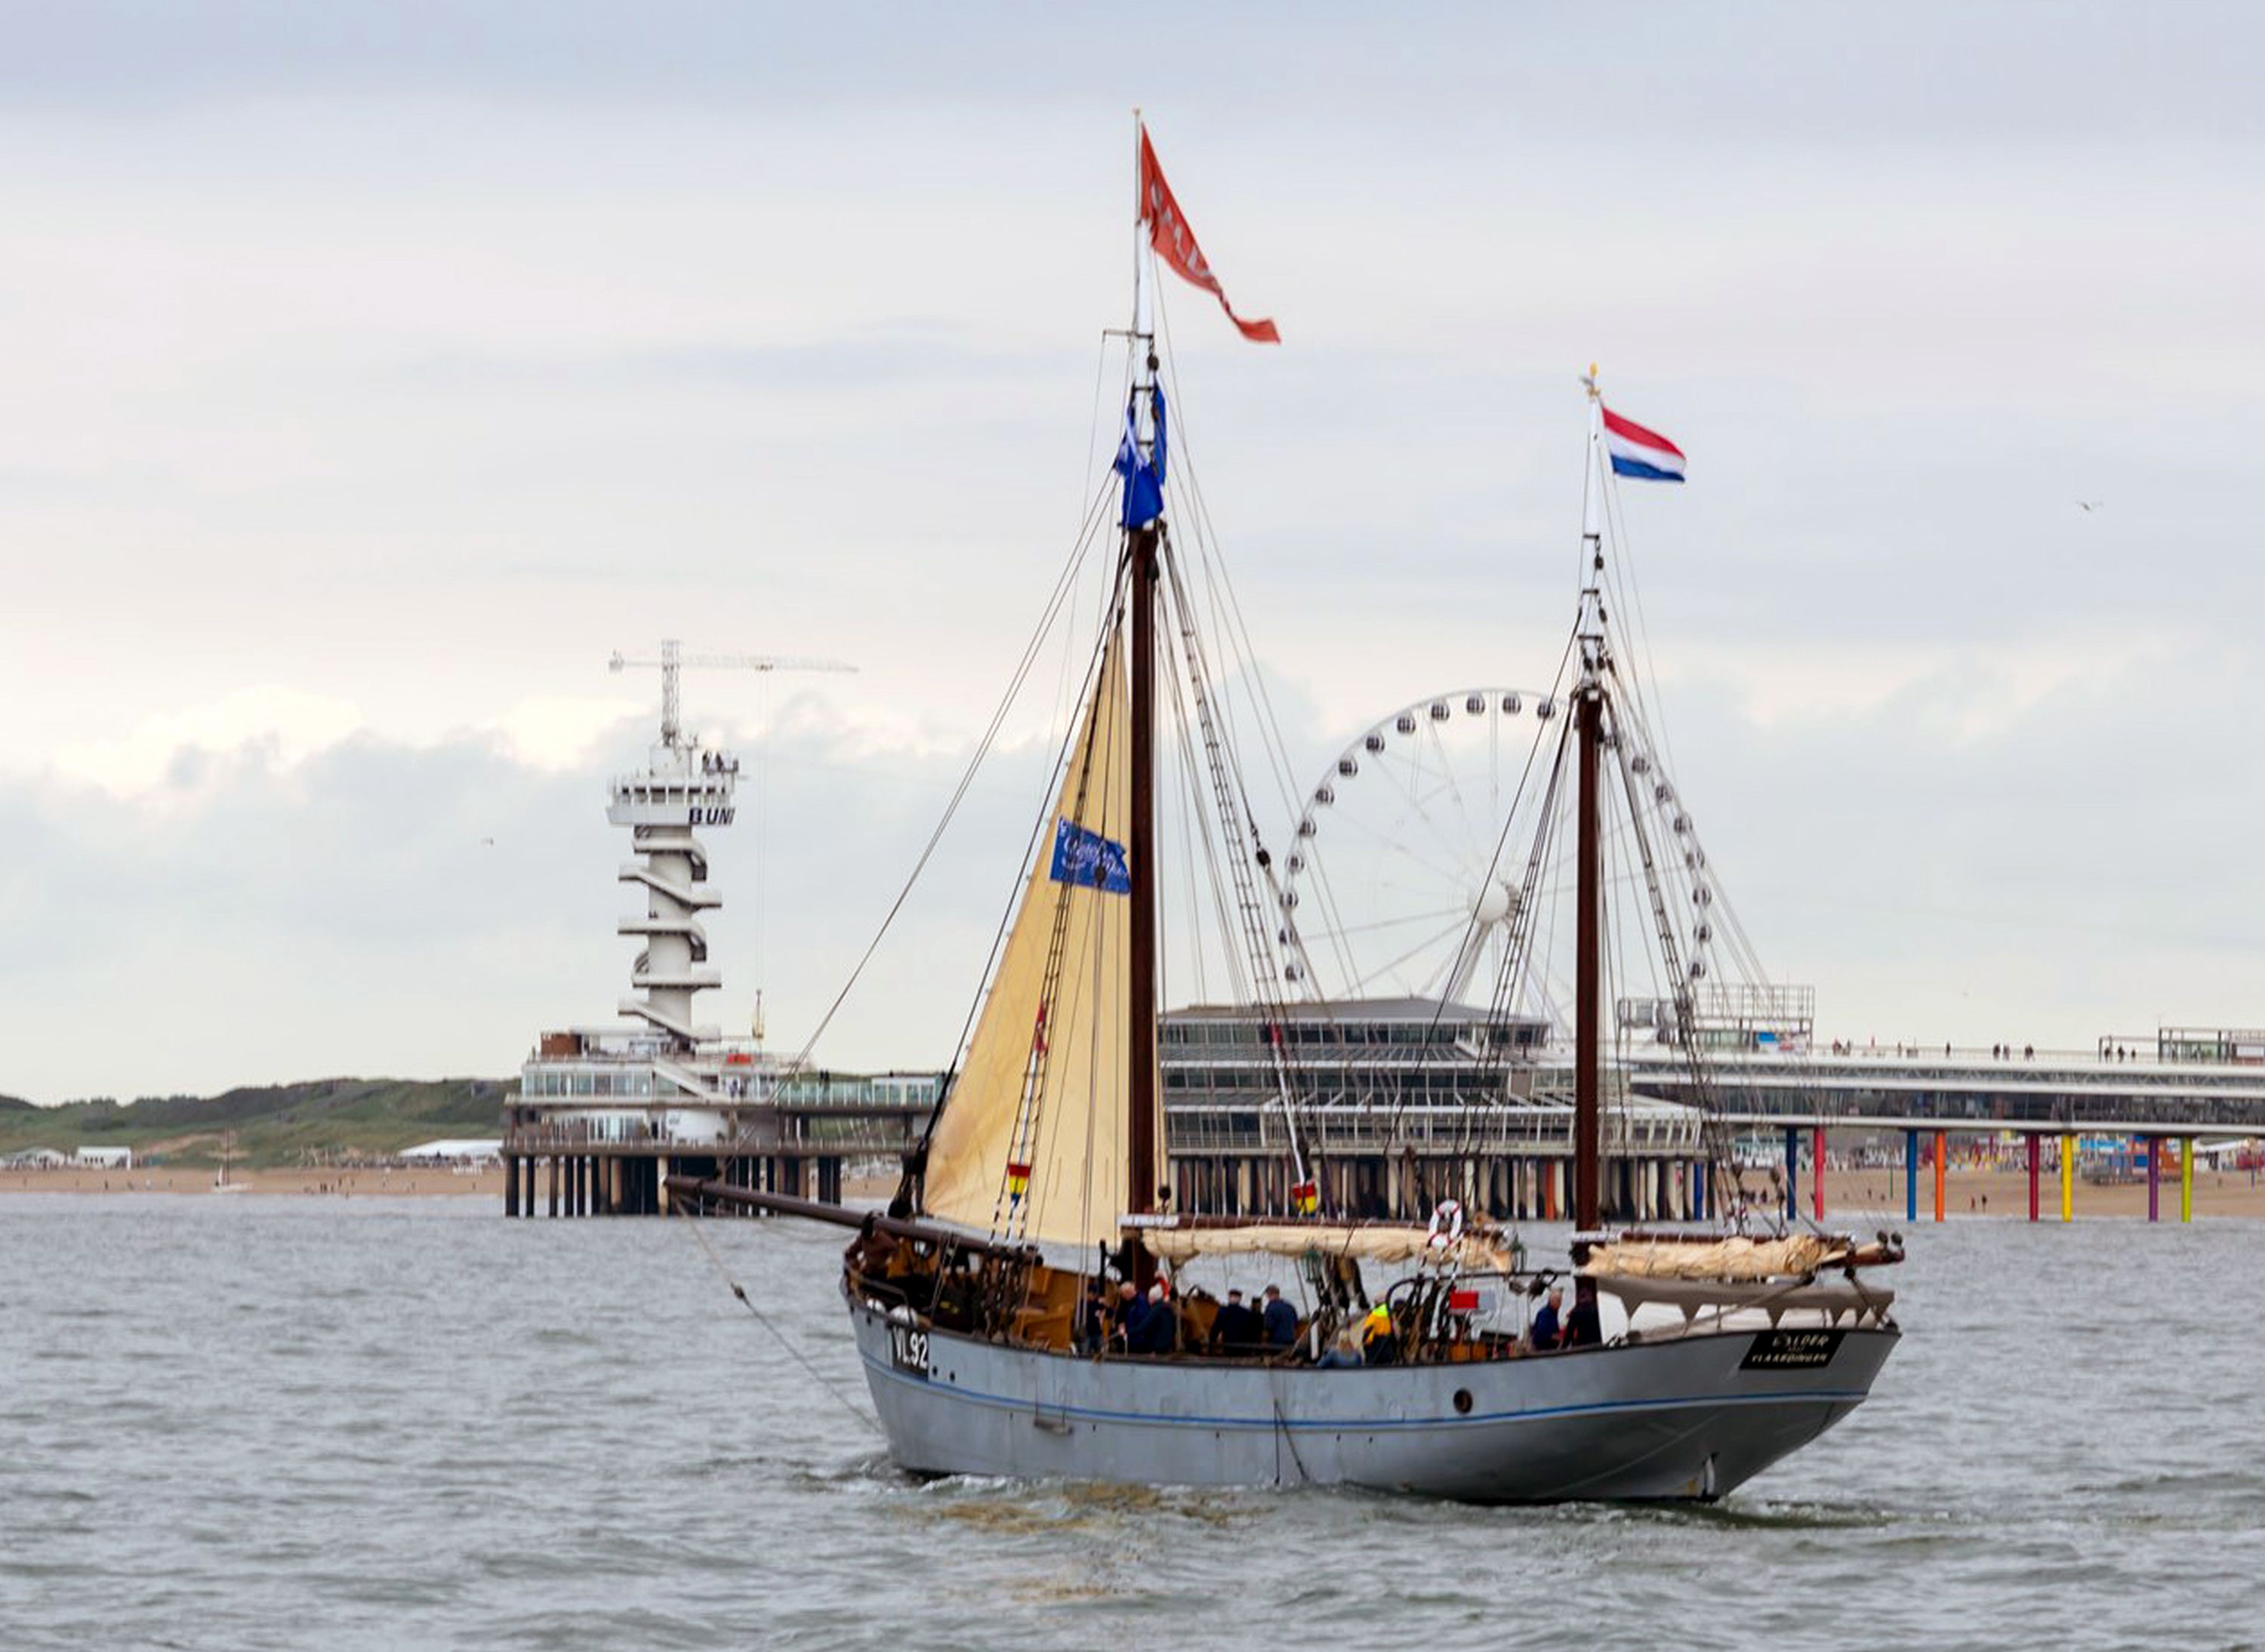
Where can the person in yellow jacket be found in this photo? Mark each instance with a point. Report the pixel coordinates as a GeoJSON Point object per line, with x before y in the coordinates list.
{"type": "Point", "coordinates": [1379, 1345]}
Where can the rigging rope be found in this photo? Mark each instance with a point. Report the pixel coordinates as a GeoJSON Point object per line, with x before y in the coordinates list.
{"type": "Point", "coordinates": [694, 1223]}
{"type": "Point", "coordinates": [1064, 584]}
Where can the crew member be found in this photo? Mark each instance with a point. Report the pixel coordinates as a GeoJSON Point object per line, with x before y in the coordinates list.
{"type": "Point", "coordinates": [1235, 1328]}
{"type": "Point", "coordinates": [1281, 1319]}
{"type": "Point", "coordinates": [1378, 1346]}
{"type": "Point", "coordinates": [1582, 1329]}
{"type": "Point", "coordinates": [1549, 1327]}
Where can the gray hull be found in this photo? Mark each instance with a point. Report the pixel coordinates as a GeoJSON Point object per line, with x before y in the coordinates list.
{"type": "Point", "coordinates": [1690, 1418]}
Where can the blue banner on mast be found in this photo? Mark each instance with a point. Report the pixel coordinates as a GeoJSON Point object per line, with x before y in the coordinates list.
{"type": "Point", "coordinates": [1089, 860]}
{"type": "Point", "coordinates": [1144, 478]}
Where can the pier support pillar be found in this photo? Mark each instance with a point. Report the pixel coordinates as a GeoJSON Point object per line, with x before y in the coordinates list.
{"type": "Point", "coordinates": [1911, 1176]}
{"type": "Point", "coordinates": [511, 1187]}
{"type": "Point", "coordinates": [1817, 1176]}
{"type": "Point", "coordinates": [554, 1185]}
{"type": "Point", "coordinates": [2037, 1152]}
{"type": "Point", "coordinates": [2185, 1178]}
{"type": "Point", "coordinates": [1941, 1170]}
{"type": "Point", "coordinates": [2067, 1177]}
{"type": "Point", "coordinates": [2154, 1147]}
{"type": "Point", "coordinates": [1792, 1170]}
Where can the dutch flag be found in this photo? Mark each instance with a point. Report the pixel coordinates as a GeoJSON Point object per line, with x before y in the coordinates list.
{"type": "Point", "coordinates": [1643, 453]}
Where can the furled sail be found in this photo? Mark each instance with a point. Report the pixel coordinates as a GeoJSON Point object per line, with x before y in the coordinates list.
{"type": "Point", "coordinates": [1795, 1255]}
{"type": "Point", "coordinates": [1033, 1143]}
{"type": "Point", "coordinates": [1479, 1250]}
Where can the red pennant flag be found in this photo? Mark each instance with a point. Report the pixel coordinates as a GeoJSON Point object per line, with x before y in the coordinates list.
{"type": "Point", "coordinates": [1176, 244]}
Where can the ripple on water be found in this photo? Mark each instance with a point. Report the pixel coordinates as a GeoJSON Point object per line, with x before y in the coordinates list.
{"type": "Point", "coordinates": [410, 1423]}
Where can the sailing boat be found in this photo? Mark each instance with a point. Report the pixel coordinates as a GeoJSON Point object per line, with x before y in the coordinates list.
{"type": "Point", "coordinates": [1004, 1306]}
{"type": "Point", "coordinates": [222, 1183]}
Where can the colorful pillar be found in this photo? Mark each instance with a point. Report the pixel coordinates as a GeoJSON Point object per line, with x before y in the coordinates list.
{"type": "Point", "coordinates": [2185, 1178]}
{"type": "Point", "coordinates": [1942, 1169]}
{"type": "Point", "coordinates": [1911, 1176]}
{"type": "Point", "coordinates": [2036, 1154]}
{"type": "Point", "coordinates": [1792, 1170]}
{"type": "Point", "coordinates": [1817, 1176]}
{"type": "Point", "coordinates": [2067, 1177]}
{"type": "Point", "coordinates": [2154, 1149]}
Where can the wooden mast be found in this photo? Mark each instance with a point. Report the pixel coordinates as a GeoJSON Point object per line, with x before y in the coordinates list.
{"type": "Point", "coordinates": [1588, 963]}
{"type": "Point", "coordinates": [1588, 708]}
{"type": "Point", "coordinates": [1143, 1162]}
{"type": "Point", "coordinates": [1139, 847]}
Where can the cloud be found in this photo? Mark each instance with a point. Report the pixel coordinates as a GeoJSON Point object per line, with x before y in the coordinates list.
{"type": "Point", "coordinates": [377, 372]}
{"type": "Point", "coordinates": [174, 753]}
{"type": "Point", "coordinates": [257, 912]}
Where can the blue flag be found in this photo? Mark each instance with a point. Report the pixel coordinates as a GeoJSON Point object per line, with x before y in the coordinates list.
{"type": "Point", "coordinates": [1089, 860]}
{"type": "Point", "coordinates": [1144, 483]}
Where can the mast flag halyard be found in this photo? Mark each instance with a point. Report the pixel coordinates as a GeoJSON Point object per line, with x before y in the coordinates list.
{"type": "Point", "coordinates": [1621, 447]}
{"type": "Point", "coordinates": [1140, 461]}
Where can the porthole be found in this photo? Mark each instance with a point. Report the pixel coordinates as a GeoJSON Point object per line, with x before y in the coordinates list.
{"type": "Point", "coordinates": [1462, 1402]}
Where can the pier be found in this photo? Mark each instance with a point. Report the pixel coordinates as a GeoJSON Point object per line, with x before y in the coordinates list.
{"type": "Point", "coordinates": [611, 1158]}
{"type": "Point", "coordinates": [1405, 1103]}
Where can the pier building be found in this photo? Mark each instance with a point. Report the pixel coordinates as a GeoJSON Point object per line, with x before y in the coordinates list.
{"type": "Point", "coordinates": [1407, 1102]}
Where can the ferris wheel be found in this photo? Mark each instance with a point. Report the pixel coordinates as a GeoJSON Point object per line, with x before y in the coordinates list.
{"type": "Point", "coordinates": [1404, 878]}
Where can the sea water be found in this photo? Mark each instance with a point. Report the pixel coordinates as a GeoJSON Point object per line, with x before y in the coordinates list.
{"type": "Point", "coordinates": [315, 1423]}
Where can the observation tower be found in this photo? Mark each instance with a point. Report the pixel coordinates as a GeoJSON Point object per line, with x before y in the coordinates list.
{"type": "Point", "coordinates": [683, 786]}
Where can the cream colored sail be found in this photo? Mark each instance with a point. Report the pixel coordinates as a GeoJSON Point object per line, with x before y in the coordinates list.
{"type": "Point", "coordinates": [1487, 1249]}
{"type": "Point", "coordinates": [1063, 1117]}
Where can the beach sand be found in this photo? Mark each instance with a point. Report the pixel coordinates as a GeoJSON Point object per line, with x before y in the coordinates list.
{"type": "Point", "coordinates": [1869, 1193]}
{"type": "Point", "coordinates": [2003, 1193]}
{"type": "Point", "coordinates": [418, 1183]}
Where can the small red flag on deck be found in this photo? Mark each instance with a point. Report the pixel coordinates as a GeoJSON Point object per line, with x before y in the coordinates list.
{"type": "Point", "coordinates": [1176, 244]}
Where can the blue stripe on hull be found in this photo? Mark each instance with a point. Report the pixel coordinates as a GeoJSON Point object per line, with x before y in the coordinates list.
{"type": "Point", "coordinates": [1364, 1425]}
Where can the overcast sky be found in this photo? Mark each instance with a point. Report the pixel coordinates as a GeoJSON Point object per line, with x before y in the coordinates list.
{"type": "Point", "coordinates": [372, 371]}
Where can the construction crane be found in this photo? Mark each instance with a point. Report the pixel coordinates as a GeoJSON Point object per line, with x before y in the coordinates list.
{"type": "Point", "coordinates": [671, 660]}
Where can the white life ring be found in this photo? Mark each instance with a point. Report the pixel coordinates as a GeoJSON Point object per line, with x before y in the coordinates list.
{"type": "Point", "coordinates": [1446, 1226]}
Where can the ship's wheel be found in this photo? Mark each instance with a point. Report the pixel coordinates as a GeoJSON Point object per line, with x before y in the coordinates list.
{"type": "Point", "coordinates": [1394, 883]}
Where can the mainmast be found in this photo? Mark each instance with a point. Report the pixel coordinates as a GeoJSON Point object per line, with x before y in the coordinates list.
{"type": "Point", "coordinates": [1589, 714]}
{"type": "Point", "coordinates": [1142, 546]}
